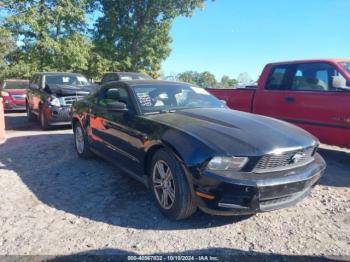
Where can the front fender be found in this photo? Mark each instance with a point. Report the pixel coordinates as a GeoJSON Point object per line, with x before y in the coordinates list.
{"type": "Point", "coordinates": [191, 151]}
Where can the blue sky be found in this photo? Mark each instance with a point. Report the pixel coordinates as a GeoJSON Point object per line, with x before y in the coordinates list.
{"type": "Point", "coordinates": [234, 36]}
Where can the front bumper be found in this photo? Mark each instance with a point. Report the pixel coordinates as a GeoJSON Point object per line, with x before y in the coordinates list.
{"type": "Point", "coordinates": [249, 193]}
{"type": "Point", "coordinates": [10, 104]}
{"type": "Point", "coordinates": [58, 115]}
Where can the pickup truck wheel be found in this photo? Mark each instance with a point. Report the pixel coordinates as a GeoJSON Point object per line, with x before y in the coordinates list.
{"type": "Point", "coordinates": [81, 144]}
{"type": "Point", "coordinates": [170, 187]}
{"type": "Point", "coordinates": [43, 121]}
{"type": "Point", "coordinates": [30, 116]}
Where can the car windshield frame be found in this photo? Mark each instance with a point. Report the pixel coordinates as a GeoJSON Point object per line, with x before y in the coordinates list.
{"type": "Point", "coordinates": [212, 102]}
{"type": "Point", "coordinates": [345, 65]}
{"type": "Point", "coordinates": [81, 83]}
{"type": "Point", "coordinates": [22, 85]}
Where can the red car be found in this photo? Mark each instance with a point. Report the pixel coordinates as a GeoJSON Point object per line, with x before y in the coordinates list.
{"type": "Point", "coordinates": [13, 92]}
{"type": "Point", "coordinates": [313, 94]}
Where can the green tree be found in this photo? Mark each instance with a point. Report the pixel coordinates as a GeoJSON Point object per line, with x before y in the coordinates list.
{"type": "Point", "coordinates": [50, 33]}
{"type": "Point", "coordinates": [7, 45]}
{"type": "Point", "coordinates": [189, 77]}
{"type": "Point", "coordinates": [207, 80]}
{"type": "Point", "coordinates": [204, 79]}
{"type": "Point", "coordinates": [136, 32]}
{"type": "Point", "coordinates": [226, 81]}
{"type": "Point", "coordinates": [245, 79]}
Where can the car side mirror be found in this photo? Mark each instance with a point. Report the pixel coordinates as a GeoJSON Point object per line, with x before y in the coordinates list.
{"type": "Point", "coordinates": [34, 86]}
{"type": "Point", "coordinates": [340, 82]}
{"type": "Point", "coordinates": [117, 106]}
{"type": "Point", "coordinates": [223, 102]}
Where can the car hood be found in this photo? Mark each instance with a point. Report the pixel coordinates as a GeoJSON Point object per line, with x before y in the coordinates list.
{"type": "Point", "coordinates": [67, 90]}
{"type": "Point", "coordinates": [16, 91]}
{"type": "Point", "coordinates": [237, 133]}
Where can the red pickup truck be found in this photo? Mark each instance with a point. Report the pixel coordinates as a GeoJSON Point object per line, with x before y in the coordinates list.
{"type": "Point", "coordinates": [313, 94]}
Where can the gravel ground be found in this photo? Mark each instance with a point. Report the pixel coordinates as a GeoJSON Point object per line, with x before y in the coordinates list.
{"type": "Point", "coordinates": [53, 203]}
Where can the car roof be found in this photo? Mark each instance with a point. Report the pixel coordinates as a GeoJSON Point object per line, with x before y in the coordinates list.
{"type": "Point", "coordinates": [332, 60]}
{"type": "Point", "coordinates": [122, 72]}
{"type": "Point", "coordinates": [57, 73]}
{"type": "Point", "coordinates": [16, 80]}
{"type": "Point", "coordinates": [150, 82]}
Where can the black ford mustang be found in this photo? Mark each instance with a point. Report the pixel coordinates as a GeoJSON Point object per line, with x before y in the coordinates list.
{"type": "Point", "coordinates": [193, 152]}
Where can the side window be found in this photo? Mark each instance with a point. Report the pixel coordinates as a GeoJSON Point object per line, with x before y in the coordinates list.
{"type": "Point", "coordinates": [105, 79]}
{"type": "Point", "coordinates": [113, 94]}
{"type": "Point", "coordinates": [314, 77]}
{"type": "Point", "coordinates": [279, 78]}
{"type": "Point", "coordinates": [114, 77]}
{"type": "Point", "coordinates": [109, 78]}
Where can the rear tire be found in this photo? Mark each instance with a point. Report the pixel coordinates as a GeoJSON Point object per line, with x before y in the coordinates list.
{"type": "Point", "coordinates": [30, 116]}
{"type": "Point", "coordinates": [82, 145]}
{"type": "Point", "coordinates": [170, 186]}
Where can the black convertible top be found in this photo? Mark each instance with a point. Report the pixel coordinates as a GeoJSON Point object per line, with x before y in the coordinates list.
{"type": "Point", "coordinates": [150, 82]}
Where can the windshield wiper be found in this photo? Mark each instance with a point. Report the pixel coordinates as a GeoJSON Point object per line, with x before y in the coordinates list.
{"type": "Point", "coordinates": [163, 111]}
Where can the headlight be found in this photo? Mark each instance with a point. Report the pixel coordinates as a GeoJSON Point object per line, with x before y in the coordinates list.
{"type": "Point", "coordinates": [3, 93]}
{"type": "Point", "coordinates": [230, 163]}
{"type": "Point", "coordinates": [54, 101]}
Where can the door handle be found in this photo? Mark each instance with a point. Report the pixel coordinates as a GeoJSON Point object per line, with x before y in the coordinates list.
{"type": "Point", "coordinates": [289, 99]}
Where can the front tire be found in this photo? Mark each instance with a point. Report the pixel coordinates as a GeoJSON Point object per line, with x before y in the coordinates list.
{"type": "Point", "coordinates": [170, 186]}
{"type": "Point", "coordinates": [43, 120]}
{"type": "Point", "coordinates": [30, 116]}
{"type": "Point", "coordinates": [81, 143]}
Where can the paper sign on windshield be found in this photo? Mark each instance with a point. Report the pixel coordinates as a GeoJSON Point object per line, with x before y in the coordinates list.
{"type": "Point", "coordinates": [81, 79]}
{"type": "Point", "coordinates": [65, 79]}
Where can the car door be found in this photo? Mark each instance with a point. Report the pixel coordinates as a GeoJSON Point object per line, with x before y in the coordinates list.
{"type": "Point", "coordinates": [114, 132]}
{"type": "Point", "coordinates": [303, 94]}
{"type": "Point", "coordinates": [34, 93]}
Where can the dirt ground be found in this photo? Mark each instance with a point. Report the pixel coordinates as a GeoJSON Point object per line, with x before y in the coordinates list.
{"type": "Point", "coordinates": [53, 203]}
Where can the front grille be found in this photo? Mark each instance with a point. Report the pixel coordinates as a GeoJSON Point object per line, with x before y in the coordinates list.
{"type": "Point", "coordinates": [64, 115]}
{"type": "Point", "coordinates": [19, 97]}
{"type": "Point", "coordinates": [284, 160]}
{"type": "Point", "coordinates": [68, 100]}
{"type": "Point", "coordinates": [275, 201]}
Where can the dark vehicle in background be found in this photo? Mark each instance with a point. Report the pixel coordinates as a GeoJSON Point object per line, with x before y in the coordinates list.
{"type": "Point", "coordinates": [50, 96]}
{"type": "Point", "coordinates": [313, 94]}
{"type": "Point", "coordinates": [116, 76]}
{"type": "Point", "coordinates": [193, 151]}
{"type": "Point", "coordinates": [13, 92]}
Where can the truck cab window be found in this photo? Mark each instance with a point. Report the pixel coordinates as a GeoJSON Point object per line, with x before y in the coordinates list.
{"type": "Point", "coordinates": [314, 77]}
{"type": "Point", "coordinates": [278, 78]}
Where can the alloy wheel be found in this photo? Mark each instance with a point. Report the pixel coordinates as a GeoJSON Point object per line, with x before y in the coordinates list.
{"type": "Point", "coordinates": [79, 139]}
{"type": "Point", "coordinates": [163, 184]}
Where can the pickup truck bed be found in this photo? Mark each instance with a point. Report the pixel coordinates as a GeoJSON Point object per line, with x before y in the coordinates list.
{"type": "Point", "coordinates": [313, 94]}
{"type": "Point", "coordinates": [240, 98]}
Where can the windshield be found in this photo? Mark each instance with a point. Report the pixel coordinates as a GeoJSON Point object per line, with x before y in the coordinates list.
{"type": "Point", "coordinates": [16, 84]}
{"type": "Point", "coordinates": [346, 66]}
{"type": "Point", "coordinates": [72, 80]}
{"type": "Point", "coordinates": [158, 98]}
